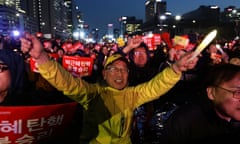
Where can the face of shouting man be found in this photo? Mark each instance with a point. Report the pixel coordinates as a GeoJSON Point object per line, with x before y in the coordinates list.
{"type": "Point", "coordinates": [115, 73]}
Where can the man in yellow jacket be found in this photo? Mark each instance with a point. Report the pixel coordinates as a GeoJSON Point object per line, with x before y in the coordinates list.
{"type": "Point", "coordinates": [108, 108]}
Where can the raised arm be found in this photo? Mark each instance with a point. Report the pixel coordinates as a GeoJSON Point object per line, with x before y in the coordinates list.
{"type": "Point", "coordinates": [33, 46]}
{"type": "Point", "coordinates": [132, 43]}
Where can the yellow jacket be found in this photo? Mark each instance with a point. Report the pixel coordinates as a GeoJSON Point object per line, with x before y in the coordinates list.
{"type": "Point", "coordinates": [108, 111]}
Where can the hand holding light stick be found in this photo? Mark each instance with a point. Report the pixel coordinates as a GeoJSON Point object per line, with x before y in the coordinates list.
{"type": "Point", "coordinates": [207, 39]}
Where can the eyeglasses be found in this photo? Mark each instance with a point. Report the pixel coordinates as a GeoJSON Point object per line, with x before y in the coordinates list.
{"type": "Point", "coordinates": [137, 53]}
{"type": "Point", "coordinates": [236, 94]}
{"type": "Point", "coordinates": [3, 68]}
{"type": "Point", "coordinates": [115, 70]}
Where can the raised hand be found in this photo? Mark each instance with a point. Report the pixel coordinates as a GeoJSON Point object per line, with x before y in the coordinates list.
{"type": "Point", "coordinates": [183, 64]}
{"type": "Point", "coordinates": [32, 45]}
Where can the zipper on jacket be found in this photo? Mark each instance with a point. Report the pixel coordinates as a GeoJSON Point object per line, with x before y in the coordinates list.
{"type": "Point", "coordinates": [121, 125]}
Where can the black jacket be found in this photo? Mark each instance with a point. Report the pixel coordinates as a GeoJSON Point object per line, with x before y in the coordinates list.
{"type": "Point", "coordinates": [194, 123]}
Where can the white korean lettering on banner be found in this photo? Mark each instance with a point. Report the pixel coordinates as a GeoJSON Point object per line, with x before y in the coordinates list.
{"type": "Point", "coordinates": [26, 139]}
{"type": "Point", "coordinates": [36, 124]}
{"type": "Point", "coordinates": [6, 126]}
{"type": "Point", "coordinates": [44, 134]}
{"type": "Point", "coordinates": [5, 140]}
{"type": "Point", "coordinates": [55, 120]}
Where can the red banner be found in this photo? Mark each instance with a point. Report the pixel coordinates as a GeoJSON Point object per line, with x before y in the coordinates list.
{"type": "Point", "coordinates": [79, 66]}
{"type": "Point", "coordinates": [30, 124]}
{"type": "Point", "coordinates": [152, 41]}
{"type": "Point", "coordinates": [34, 65]}
{"type": "Point", "coordinates": [54, 55]}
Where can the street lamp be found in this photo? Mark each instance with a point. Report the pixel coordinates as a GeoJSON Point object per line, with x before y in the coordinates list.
{"type": "Point", "coordinates": [177, 19]}
{"type": "Point", "coordinates": [161, 19]}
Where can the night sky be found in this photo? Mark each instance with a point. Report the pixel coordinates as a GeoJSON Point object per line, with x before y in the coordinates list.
{"type": "Point", "coordinates": [98, 13]}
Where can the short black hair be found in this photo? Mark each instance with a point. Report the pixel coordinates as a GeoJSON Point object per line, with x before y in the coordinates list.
{"type": "Point", "coordinates": [220, 73]}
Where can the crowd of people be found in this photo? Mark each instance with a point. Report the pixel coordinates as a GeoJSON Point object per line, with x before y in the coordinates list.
{"type": "Point", "coordinates": [134, 94]}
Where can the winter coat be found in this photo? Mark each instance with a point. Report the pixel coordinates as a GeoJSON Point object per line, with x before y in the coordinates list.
{"type": "Point", "coordinates": [108, 111]}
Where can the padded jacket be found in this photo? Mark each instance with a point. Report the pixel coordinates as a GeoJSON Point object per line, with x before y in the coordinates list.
{"type": "Point", "coordinates": [108, 111]}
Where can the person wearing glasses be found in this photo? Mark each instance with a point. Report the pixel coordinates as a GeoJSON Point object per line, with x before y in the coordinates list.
{"type": "Point", "coordinates": [108, 108]}
{"type": "Point", "coordinates": [141, 70]}
{"type": "Point", "coordinates": [215, 117]}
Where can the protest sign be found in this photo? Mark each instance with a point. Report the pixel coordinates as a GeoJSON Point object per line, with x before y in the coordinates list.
{"type": "Point", "coordinates": [31, 124]}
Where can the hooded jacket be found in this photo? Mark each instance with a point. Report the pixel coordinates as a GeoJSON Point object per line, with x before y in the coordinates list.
{"type": "Point", "coordinates": [16, 66]}
{"type": "Point", "coordinates": [108, 111]}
